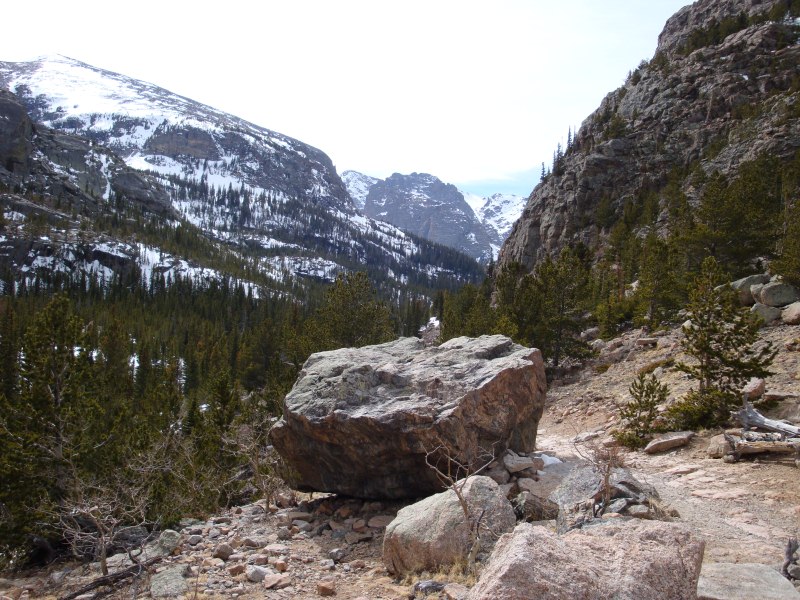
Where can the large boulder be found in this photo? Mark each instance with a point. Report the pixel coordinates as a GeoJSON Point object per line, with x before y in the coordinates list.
{"type": "Point", "coordinates": [632, 560]}
{"type": "Point", "coordinates": [434, 532]}
{"type": "Point", "coordinates": [361, 421]}
{"type": "Point", "coordinates": [742, 287]}
{"type": "Point", "coordinates": [778, 293]}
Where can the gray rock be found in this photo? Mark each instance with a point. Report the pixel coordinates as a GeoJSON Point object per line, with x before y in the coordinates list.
{"type": "Point", "coordinates": [668, 441]}
{"type": "Point", "coordinates": [744, 285]}
{"type": "Point", "coordinates": [168, 583]}
{"type": "Point", "coordinates": [778, 294]}
{"type": "Point", "coordinates": [223, 551]}
{"type": "Point", "coordinates": [579, 494]}
{"type": "Point", "coordinates": [635, 560]}
{"type": "Point", "coordinates": [514, 463]}
{"type": "Point", "coordinates": [790, 315]}
{"type": "Point", "coordinates": [256, 573]}
{"type": "Point", "coordinates": [498, 472]}
{"type": "Point", "coordinates": [743, 581]}
{"type": "Point", "coordinates": [337, 554]}
{"type": "Point", "coordinates": [168, 541]}
{"type": "Point", "coordinates": [434, 533]}
{"type": "Point", "coordinates": [755, 388]}
{"type": "Point", "coordinates": [767, 314]}
{"type": "Point", "coordinates": [193, 540]}
{"type": "Point", "coordinates": [718, 446]}
{"type": "Point", "coordinates": [352, 408]}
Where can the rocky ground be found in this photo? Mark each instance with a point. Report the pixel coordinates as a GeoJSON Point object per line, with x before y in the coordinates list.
{"type": "Point", "coordinates": [325, 545]}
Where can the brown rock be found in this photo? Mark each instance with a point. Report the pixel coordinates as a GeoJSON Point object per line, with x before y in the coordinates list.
{"type": "Point", "coordinates": [455, 591]}
{"type": "Point", "coordinates": [276, 581]}
{"type": "Point", "coordinates": [352, 407]}
{"type": "Point", "coordinates": [326, 587]}
{"type": "Point", "coordinates": [613, 559]}
{"type": "Point", "coordinates": [223, 551]}
{"type": "Point", "coordinates": [235, 570]}
{"type": "Point", "coordinates": [380, 521]}
{"type": "Point", "coordinates": [718, 447]}
{"type": "Point", "coordinates": [743, 581]}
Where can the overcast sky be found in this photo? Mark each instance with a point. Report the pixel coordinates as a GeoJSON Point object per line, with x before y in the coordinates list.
{"type": "Point", "coordinates": [477, 93]}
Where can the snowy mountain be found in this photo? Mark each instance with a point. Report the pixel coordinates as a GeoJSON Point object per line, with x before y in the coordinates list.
{"type": "Point", "coordinates": [358, 186]}
{"type": "Point", "coordinates": [266, 195]}
{"type": "Point", "coordinates": [440, 212]}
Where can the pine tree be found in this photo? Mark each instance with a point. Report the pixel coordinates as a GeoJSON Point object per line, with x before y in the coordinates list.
{"type": "Point", "coordinates": [640, 413]}
{"type": "Point", "coordinates": [721, 338]}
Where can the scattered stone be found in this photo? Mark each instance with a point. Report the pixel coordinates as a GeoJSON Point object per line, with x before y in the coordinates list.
{"type": "Point", "coordinates": [256, 573]}
{"type": "Point", "coordinates": [613, 559]}
{"type": "Point", "coordinates": [767, 314]}
{"type": "Point", "coordinates": [433, 532]}
{"type": "Point", "coordinates": [284, 534]}
{"type": "Point", "coordinates": [194, 540]}
{"type": "Point", "coordinates": [280, 565]}
{"type": "Point", "coordinates": [276, 549]}
{"type": "Point", "coordinates": [755, 388]}
{"type": "Point", "coordinates": [276, 581]}
{"type": "Point", "coordinates": [498, 472]}
{"type": "Point", "coordinates": [213, 563]}
{"type": "Point", "coordinates": [647, 342]}
{"type": "Point", "coordinates": [404, 399]}
{"type": "Point", "coordinates": [514, 463]}
{"type": "Point", "coordinates": [236, 570]}
{"type": "Point", "coordinates": [168, 583]}
{"type": "Point", "coordinates": [337, 554]}
{"type": "Point", "coordinates": [638, 511]}
{"type": "Point", "coordinates": [743, 581]}
{"type": "Point", "coordinates": [380, 521]}
{"type": "Point", "coordinates": [168, 541]}
{"type": "Point", "coordinates": [791, 314]}
{"type": "Point", "coordinates": [326, 587]}
{"type": "Point", "coordinates": [718, 447]}
{"type": "Point", "coordinates": [668, 441]}
{"type": "Point", "coordinates": [328, 564]}
{"type": "Point", "coordinates": [223, 551]}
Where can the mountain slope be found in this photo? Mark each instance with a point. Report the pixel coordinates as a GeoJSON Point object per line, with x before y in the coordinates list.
{"type": "Point", "coordinates": [723, 88]}
{"type": "Point", "coordinates": [273, 198]}
{"type": "Point", "coordinates": [424, 205]}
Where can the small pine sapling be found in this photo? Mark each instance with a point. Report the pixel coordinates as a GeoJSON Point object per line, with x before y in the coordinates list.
{"type": "Point", "coordinates": [640, 413]}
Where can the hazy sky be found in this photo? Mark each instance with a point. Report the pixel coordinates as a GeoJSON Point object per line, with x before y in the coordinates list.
{"type": "Point", "coordinates": [477, 93]}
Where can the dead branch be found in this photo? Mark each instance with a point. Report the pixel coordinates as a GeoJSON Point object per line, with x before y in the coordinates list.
{"type": "Point", "coordinates": [749, 417]}
{"type": "Point", "coordinates": [114, 579]}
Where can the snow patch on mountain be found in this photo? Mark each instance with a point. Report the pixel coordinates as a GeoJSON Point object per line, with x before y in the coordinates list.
{"type": "Point", "coordinates": [358, 186]}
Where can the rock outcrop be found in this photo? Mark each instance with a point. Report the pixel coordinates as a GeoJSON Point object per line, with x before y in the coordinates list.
{"type": "Point", "coordinates": [701, 102]}
{"type": "Point", "coordinates": [633, 560]}
{"type": "Point", "coordinates": [434, 533]}
{"type": "Point", "coordinates": [360, 421]}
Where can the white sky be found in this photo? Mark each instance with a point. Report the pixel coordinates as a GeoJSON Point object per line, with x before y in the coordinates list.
{"type": "Point", "coordinates": [477, 93]}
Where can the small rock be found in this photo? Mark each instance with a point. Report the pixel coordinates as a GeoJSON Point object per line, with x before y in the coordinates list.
{"type": "Point", "coordinates": [337, 554]}
{"type": "Point", "coordinates": [276, 581]}
{"type": "Point", "coordinates": [256, 573]}
{"type": "Point", "coordinates": [284, 534]}
{"type": "Point", "coordinates": [755, 388]}
{"type": "Point", "coordinates": [194, 540]}
{"type": "Point", "coordinates": [213, 562]}
{"type": "Point", "coordinates": [276, 549]}
{"type": "Point", "coordinates": [514, 463]}
{"type": "Point", "coordinates": [223, 551]}
{"type": "Point", "coordinates": [718, 447]}
{"type": "Point", "coordinates": [328, 564]}
{"type": "Point", "coordinates": [326, 587]}
{"type": "Point", "coordinates": [669, 441]}
{"type": "Point", "coordinates": [639, 511]}
{"type": "Point", "coordinates": [647, 342]}
{"type": "Point", "coordinates": [380, 521]}
{"type": "Point", "coordinates": [498, 472]}
{"type": "Point", "coordinates": [281, 565]}
{"type": "Point", "coordinates": [359, 525]}
{"type": "Point", "coordinates": [168, 541]}
{"type": "Point", "coordinates": [236, 570]}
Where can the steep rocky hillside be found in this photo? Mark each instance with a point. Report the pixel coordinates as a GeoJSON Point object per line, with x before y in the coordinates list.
{"type": "Point", "coordinates": [723, 88]}
{"type": "Point", "coordinates": [438, 211]}
{"type": "Point", "coordinates": [86, 142]}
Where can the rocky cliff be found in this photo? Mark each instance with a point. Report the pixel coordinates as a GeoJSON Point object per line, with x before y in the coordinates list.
{"type": "Point", "coordinates": [722, 88]}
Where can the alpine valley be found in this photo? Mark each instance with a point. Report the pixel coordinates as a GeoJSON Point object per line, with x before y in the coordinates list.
{"type": "Point", "coordinates": [81, 146]}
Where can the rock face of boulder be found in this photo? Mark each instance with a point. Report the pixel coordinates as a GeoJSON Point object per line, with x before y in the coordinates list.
{"type": "Point", "coordinates": [434, 533]}
{"type": "Point", "coordinates": [641, 560]}
{"type": "Point", "coordinates": [740, 581]}
{"type": "Point", "coordinates": [360, 421]}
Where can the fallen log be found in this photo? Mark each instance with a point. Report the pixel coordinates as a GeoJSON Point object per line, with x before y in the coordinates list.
{"type": "Point", "coordinates": [114, 578]}
{"type": "Point", "coordinates": [788, 447]}
{"type": "Point", "coordinates": [749, 417]}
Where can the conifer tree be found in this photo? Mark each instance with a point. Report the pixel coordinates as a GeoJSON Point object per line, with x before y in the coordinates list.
{"type": "Point", "coordinates": [721, 338]}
